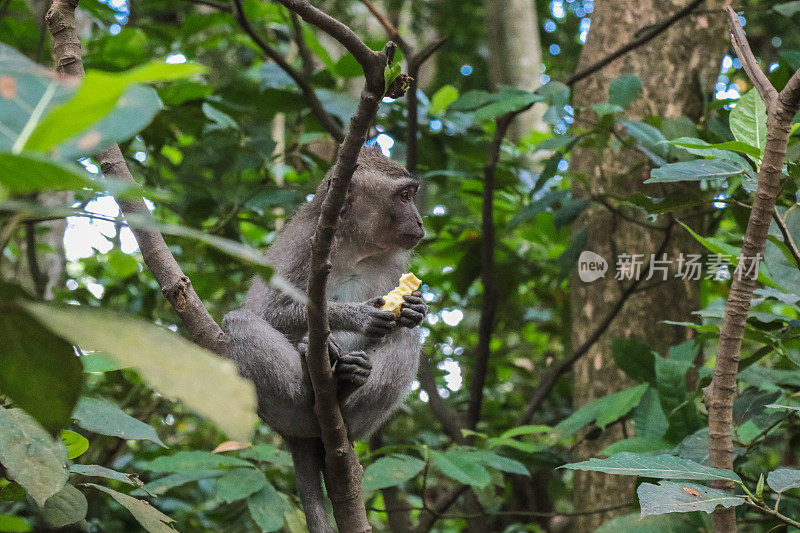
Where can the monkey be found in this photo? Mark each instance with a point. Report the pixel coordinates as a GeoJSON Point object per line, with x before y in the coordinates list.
{"type": "Point", "coordinates": [374, 353]}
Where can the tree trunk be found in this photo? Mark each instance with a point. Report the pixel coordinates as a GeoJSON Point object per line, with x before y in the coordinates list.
{"type": "Point", "coordinates": [672, 67]}
{"type": "Point", "coordinates": [516, 55]}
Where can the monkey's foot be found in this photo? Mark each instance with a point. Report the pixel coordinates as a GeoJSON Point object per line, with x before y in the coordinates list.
{"type": "Point", "coordinates": [353, 368]}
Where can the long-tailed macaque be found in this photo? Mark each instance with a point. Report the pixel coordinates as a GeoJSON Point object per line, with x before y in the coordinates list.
{"type": "Point", "coordinates": [374, 354]}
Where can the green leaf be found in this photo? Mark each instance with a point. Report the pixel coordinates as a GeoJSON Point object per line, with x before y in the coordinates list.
{"type": "Point", "coordinates": [194, 460]}
{"type": "Point", "coordinates": [188, 374]}
{"type": "Point", "coordinates": [95, 98]}
{"type": "Point", "coordinates": [526, 430]}
{"type": "Point", "coordinates": [603, 410]}
{"type": "Point", "coordinates": [30, 456]}
{"type": "Point", "coordinates": [239, 483]}
{"type": "Point", "coordinates": [95, 362]}
{"type": "Point", "coordinates": [648, 418]}
{"type": "Point", "coordinates": [163, 484]}
{"type": "Point", "coordinates": [267, 508]}
{"type": "Point", "coordinates": [471, 100]}
{"type": "Point", "coordinates": [66, 507]}
{"type": "Point", "coordinates": [668, 497]}
{"type": "Point", "coordinates": [634, 523]}
{"type": "Point", "coordinates": [267, 453]}
{"type": "Point", "coordinates": [391, 471]}
{"type": "Point", "coordinates": [107, 473]}
{"type": "Point", "coordinates": [220, 120]}
{"type": "Point", "coordinates": [13, 524]}
{"type": "Point", "coordinates": [607, 109]}
{"type": "Point", "coordinates": [657, 466]}
{"type": "Point", "coordinates": [699, 169]}
{"type": "Point", "coordinates": [635, 358]}
{"type": "Point", "coordinates": [76, 443]}
{"type": "Point", "coordinates": [148, 516]}
{"type": "Point", "coordinates": [748, 122]}
{"type": "Point", "coordinates": [442, 98]}
{"type": "Point", "coordinates": [101, 416]}
{"type": "Point", "coordinates": [499, 462]}
{"type": "Point", "coordinates": [624, 90]}
{"type": "Point", "coordinates": [462, 467]}
{"type": "Point", "coordinates": [27, 173]}
{"type": "Point", "coordinates": [647, 136]}
{"type": "Point", "coordinates": [390, 72]}
{"type": "Point", "coordinates": [783, 479]}
{"type": "Point", "coordinates": [38, 370]}
{"type": "Point", "coordinates": [787, 9]}
{"type": "Point", "coordinates": [700, 145]}
{"type": "Point", "coordinates": [637, 445]}
{"type": "Point", "coordinates": [511, 101]}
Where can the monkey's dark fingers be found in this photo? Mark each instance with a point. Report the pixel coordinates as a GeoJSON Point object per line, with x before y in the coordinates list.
{"type": "Point", "coordinates": [334, 352]}
{"type": "Point", "coordinates": [410, 318]}
{"type": "Point", "coordinates": [356, 359]}
{"type": "Point", "coordinates": [376, 302]}
{"type": "Point", "coordinates": [419, 307]}
{"type": "Point", "coordinates": [357, 377]}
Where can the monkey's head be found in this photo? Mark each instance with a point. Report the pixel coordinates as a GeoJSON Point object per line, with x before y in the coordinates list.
{"type": "Point", "coordinates": [380, 213]}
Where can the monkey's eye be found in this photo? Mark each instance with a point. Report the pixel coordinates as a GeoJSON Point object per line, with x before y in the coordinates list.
{"type": "Point", "coordinates": [406, 195]}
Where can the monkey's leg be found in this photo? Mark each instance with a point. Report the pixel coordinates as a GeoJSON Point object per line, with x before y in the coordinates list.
{"type": "Point", "coordinates": [394, 367]}
{"type": "Point", "coordinates": [309, 457]}
{"type": "Point", "coordinates": [267, 358]}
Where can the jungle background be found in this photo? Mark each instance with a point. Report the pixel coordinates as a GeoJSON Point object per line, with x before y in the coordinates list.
{"type": "Point", "coordinates": [228, 120]}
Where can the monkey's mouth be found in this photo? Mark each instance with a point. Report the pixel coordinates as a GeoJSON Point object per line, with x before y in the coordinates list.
{"type": "Point", "coordinates": [410, 240]}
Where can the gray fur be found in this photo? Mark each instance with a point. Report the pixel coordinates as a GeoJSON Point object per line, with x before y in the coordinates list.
{"type": "Point", "coordinates": [370, 252]}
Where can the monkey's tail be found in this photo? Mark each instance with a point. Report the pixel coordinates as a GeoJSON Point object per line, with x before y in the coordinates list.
{"type": "Point", "coordinates": [308, 455]}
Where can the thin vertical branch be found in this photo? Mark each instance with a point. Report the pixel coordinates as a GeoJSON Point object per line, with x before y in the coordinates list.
{"type": "Point", "coordinates": [175, 285]}
{"type": "Point", "coordinates": [342, 469]}
{"type": "Point", "coordinates": [720, 394]}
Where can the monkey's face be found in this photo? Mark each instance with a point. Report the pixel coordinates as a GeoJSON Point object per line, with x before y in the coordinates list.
{"type": "Point", "coordinates": [404, 218]}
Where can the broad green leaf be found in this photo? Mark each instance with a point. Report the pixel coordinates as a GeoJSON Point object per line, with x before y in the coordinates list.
{"type": "Point", "coordinates": [194, 460]}
{"type": "Point", "coordinates": [637, 445]}
{"type": "Point", "coordinates": [172, 365]}
{"type": "Point", "coordinates": [570, 211]}
{"type": "Point", "coordinates": [510, 102]}
{"type": "Point", "coordinates": [390, 72]}
{"type": "Point", "coordinates": [624, 90]}
{"type": "Point", "coordinates": [76, 443]}
{"type": "Point", "coordinates": [12, 492]}
{"type": "Point", "coordinates": [648, 417]}
{"type": "Point", "coordinates": [702, 146]}
{"type": "Point", "coordinates": [603, 410]}
{"type": "Point", "coordinates": [658, 466]}
{"type": "Point", "coordinates": [472, 100]}
{"type": "Point", "coordinates": [634, 523]}
{"type": "Point", "coordinates": [675, 202]}
{"type": "Point", "coordinates": [267, 508]}
{"type": "Point", "coordinates": [148, 516]}
{"type": "Point", "coordinates": [647, 136]}
{"type": "Point", "coordinates": [239, 483]}
{"type": "Point", "coordinates": [27, 173]}
{"type": "Point", "coordinates": [267, 453]}
{"type": "Point", "coordinates": [107, 473]}
{"type": "Point", "coordinates": [499, 462]}
{"type": "Point", "coordinates": [787, 9]}
{"type": "Point", "coordinates": [704, 149]}
{"type": "Point", "coordinates": [748, 122]}
{"type": "Point", "coordinates": [96, 98]}
{"type": "Point", "coordinates": [101, 416]}
{"type": "Point", "coordinates": [219, 119]}
{"type": "Point", "coordinates": [526, 430]}
{"type": "Point", "coordinates": [635, 358]}
{"type": "Point", "coordinates": [783, 479]}
{"type": "Point", "coordinates": [784, 269]}
{"type": "Point", "coordinates": [442, 98]}
{"type": "Point", "coordinates": [95, 362]}
{"type": "Point", "coordinates": [461, 467]}
{"type": "Point", "coordinates": [38, 370]}
{"type": "Point", "coordinates": [699, 169]}
{"type": "Point", "coordinates": [668, 497]}
{"type": "Point", "coordinates": [13, 524]}
{"type": "Point", "coordinates": [607, 109]}
{"type": "Point", "coordinates": [391, 471]}
{"type": "Point", "coordinates": [163, 484]}
{"type": "Point", "coordinates": [30, 456]}
{"type": "Point", "coordinates": [66, 507]}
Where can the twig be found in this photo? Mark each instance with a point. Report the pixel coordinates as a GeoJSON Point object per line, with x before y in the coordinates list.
{"type": "Point", "coordinates": [427, 519]}
{"type": "Point", "coordinates": [489, 299]}
{"type": "Point", "coordinates": [787, 238]}
{"type": "Point", "coordinates": [644, 38]}
{"type": "Point", "coordinates": [39, 280]}
{"type": "Point", "coordinates": [542, 391]}
{"type": "Point", "coordinates": [325, 119]}
{"type": "Point", "coordinates": [720, 394]}
{"type": "Point", "coordinates": [772, 512]}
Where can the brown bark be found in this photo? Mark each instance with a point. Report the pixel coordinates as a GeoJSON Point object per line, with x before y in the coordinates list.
{"type": "Point", "coordinates": [173, 282]}
{"type": "Point", "coordinates": [669, 66]}
{"type": "Point", "coordinates": [720, 394]}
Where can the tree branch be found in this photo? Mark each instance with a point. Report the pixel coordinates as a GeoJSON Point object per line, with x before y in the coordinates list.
{"type": "Point", "coordinates": [428, 518]}
{"type": "Point", "coordinates": [489, 299]}
{"type": "Point", "coordinates": [787, 238]}
{"type": "Point", "coordinates": [342, 469]}
{"type": "Point", "coordinates": [749, 62]}
{"type": "Point", "coordinates": [175, 285]}
{"type": "Point", "coordinates": [720, 394]}
{"type": "Point", "coordinates": [646, 36]}
{"type": "Point", "coordinates": [325, 119]}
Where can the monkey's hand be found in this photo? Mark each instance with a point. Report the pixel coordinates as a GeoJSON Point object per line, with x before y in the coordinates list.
{"type": "Point", "coordinates": [376, 323]}
{"type": "Point", "coordinates": [353, 368]}
{"type": "Point", "coordinates": [333, 349]}
{"type": "Point", "coordinates": [413, 310]}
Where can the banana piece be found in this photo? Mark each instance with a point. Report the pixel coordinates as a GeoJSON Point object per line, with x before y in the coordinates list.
{"type": "Point", "coordinates": [408, 284]}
